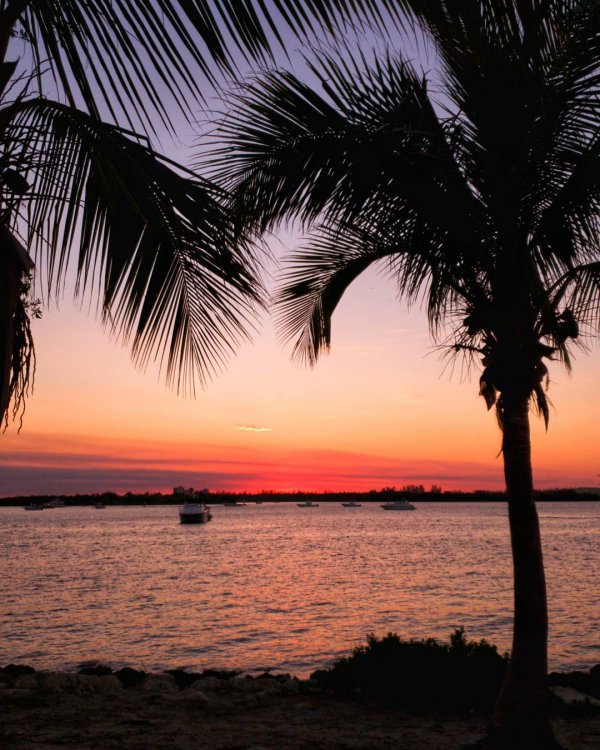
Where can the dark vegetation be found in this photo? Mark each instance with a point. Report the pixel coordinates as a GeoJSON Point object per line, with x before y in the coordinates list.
{"type": "Point", "coordinates": [374, 496]}
{"type": "Point", "coordinates": [420, 674]}
{"type": "Point", "coordinates": [424, 675]}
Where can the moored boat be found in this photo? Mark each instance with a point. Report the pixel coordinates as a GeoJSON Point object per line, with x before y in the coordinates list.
{"type": "Point", "coordinates": [308, 504]}
{"type": "Point", "coordinates": [57, 502]}
{"type": "Point", "coordinates": [34, 506]}
{"type": "Point", "coordinates": [401, 504]}
{"type": "Point", "coordinates": [194, 513]}
{"type": "Point", "coordinates": [352, 504]}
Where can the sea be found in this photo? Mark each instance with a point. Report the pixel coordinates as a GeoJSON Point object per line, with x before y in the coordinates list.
{"type": "Point", "coordinates": [277, 587]}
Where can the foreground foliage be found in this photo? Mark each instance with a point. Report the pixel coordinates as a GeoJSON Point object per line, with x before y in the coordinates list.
{"type": "Point", "coordinates": [420, 674]}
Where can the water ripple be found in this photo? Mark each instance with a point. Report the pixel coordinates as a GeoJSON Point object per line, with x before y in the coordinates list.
{"type": "Point", "coordinates": [276, 587]}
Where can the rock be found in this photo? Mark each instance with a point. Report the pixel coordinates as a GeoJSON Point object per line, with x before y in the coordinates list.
{"type": "Point", "coordinates": [159, 683]}
{"type": "Point", "coordinates": [595, 679]}
{"type": "Point", "coordinates": [291, 687]}
{"type": "Point", "coordinates": [267, 676]}
{"type": "Point", "coordinates": [184, 679]}
{"type": "Point", "coordinates": [109, 683]}
{"type": "Point", "coordinates": [12, 671]}
{"type": "Point", "coordinates": [192, 696]}
{"type": "Point", "coordinates": [99, 670]}
{"type": "Point", "coordinates": [221, 674]}
{"type": "Point", "coordinates": [57, 681]}
{"type": "Point", "coordinates": [130, 677]}
{"type": "Point", "coordinates": [28, 681]}
{"type": "Point", "coordinates": [581, 681]}
{"type": "Point", "coordinates": [24, 698]}
{"type": "Point", "coordinates": [570, 696]}
{"type": "Point", "coordinates": [210, 683]}
{"type": "Point", "coordinates": [85, 683]}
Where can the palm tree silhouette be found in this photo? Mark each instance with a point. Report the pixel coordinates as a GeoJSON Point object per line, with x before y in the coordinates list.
{"type": "Point", "coordinates": [481, 201]}
{"type": "Point", "coordinates": [82, 188]}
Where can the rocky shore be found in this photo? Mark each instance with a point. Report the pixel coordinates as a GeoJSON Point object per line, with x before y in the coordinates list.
{"type": "Point", "coordinates": [98, 708]}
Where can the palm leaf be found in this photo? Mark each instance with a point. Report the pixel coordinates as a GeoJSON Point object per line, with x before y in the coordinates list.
{"type": "Point", "coordinates": [372, 142]}
{"type": "Point", "coordinates": [122, 56]}
{"type": "Point", "coordinates": [153, 241]}
{"type": "Point", "coordinates": [315, 278]}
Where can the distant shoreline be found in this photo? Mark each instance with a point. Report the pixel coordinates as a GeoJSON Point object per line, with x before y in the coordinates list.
{"type": "Point", "coordinates": [218, 498]}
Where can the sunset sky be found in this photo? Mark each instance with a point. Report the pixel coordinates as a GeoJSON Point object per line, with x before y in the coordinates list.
{"type": "Point", "coordinates": [379, 410]}
{"type": "Point", "coordinates": [382, 409]}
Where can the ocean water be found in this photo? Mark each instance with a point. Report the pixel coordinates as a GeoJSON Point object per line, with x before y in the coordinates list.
{"type": "Point", "coordinates": [278, 587]}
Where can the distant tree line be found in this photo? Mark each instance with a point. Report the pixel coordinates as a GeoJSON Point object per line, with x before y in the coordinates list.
{"type": "Point", "coordinates": [433, 494]}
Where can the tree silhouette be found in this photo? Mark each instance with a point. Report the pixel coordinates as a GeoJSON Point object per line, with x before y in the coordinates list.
{"type": "Point", "coordinates": [480, 200]}
{"type": "Point", "coordinates": [82, 187]}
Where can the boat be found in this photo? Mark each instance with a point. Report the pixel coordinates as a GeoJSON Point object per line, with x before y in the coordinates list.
{"type": "Point", "coordinates": [56, 503]}
{"type": "Point", "coordinates": [308, 504]}
{"type": "Point", "coordinates": [34, 506]}
{"type": "Point", "coordinates": [352, 504]}
{"type": "Point", "coordinates": [194, 513]}
{"type": "Point", "coordinates": [401, 504]}
{"type": "Point", "coordinates": [99, 505]}
{"type": "Point", "coordinates": [233, 504]}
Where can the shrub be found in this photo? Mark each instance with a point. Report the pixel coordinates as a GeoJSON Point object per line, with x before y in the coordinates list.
{"type": "Point", "coordinates": [420, 674]}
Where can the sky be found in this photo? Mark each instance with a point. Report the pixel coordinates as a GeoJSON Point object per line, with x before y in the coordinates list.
{"type": "Point", "coordinates": [382, 409]}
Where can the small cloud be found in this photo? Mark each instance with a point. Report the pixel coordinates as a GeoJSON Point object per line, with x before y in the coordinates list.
{"type": "Point", "coordinates": [253, 428]}
{"type": "Point", "coordinates": [406, 398]}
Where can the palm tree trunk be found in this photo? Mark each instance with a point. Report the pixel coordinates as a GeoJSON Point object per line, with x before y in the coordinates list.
{"type": "Point", "coordinates": [520, 716]}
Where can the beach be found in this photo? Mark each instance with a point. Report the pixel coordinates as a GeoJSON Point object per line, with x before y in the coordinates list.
{"type": "Point", "coordinates": [46, 710]}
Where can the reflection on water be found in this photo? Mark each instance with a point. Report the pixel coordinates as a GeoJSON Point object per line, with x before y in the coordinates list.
{"type": "Point", "coordinates": [278, 587]}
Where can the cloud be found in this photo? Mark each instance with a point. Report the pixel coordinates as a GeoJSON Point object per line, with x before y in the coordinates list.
{"type": "Point", "coordinates": [31, 472]}
{"type": "Point", "coordinates": [405, 398]}
{"type": "Point", "coordinates": [253, 428]}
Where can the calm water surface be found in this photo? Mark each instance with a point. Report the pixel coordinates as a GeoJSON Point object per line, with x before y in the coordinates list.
{"type": "Point", "coordinates": [278, 587]}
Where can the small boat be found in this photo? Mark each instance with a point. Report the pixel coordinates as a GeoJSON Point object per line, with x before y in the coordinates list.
{"type": "Point", "coordinates": [233, 504]}
{"type": "Point", "coordinates": [352, 504]}
{"type": "Point", "coordinates": [99, 505]}
{"type": "Point", "coordinates": [194, 513]}
{"type": "Point", "coordinates": [401, 504]}
{"type": "Point", "coordinates": [308, 504]}
{"type": "Point", "coordinates": [34, 506]}
{"type": "Point", "coordinates": [56, 503]}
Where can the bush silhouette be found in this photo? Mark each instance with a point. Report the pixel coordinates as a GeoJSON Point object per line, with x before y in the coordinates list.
{"type": "Point", "coordinates": [420, 674]}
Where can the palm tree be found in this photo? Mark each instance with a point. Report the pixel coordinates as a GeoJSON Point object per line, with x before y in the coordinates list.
{"type": "Point", "coordinates": [145, 236]}
{"type": "Point", "coordinates": [481, 201]}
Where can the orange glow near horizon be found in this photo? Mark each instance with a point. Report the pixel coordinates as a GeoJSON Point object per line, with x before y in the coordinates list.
{"type": "Point", "coordinates": [378, 411]}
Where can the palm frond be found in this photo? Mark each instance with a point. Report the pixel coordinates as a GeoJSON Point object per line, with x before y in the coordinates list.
{"type": "Point", "coordinates": [582, 296]}
{"type": "Point", "coordinates": [372, 141]}
{"type": "Point", "coordinates": [313, 284]}
{"type": "Point", "coordinates": [152, 241]}
{"type": "Point", "coordinates": [17, 352]}
{"type": "Point", "coordinates": [315, 278]}
{"type": "Point", "coordinates": [122, 56]}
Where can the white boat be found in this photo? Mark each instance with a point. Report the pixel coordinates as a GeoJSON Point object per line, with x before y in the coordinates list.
{"type": "Point", "coordinates": [401, 504]}
{"type": "Point", "coordinates": [34, 506]}
{"type": "Point", "coordinates": [99, 505]}
{"type": "Point", "coordinates": [194, 513]}
{"type": "Point", "coordinates": [308, 504]}
{"type": "Point", "coordinates": [233, 504]}
{"type": "Point", "coordinates": [352, 504]}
